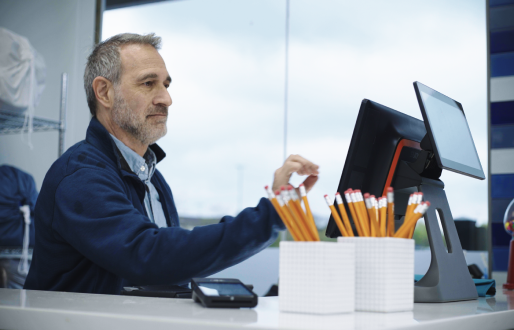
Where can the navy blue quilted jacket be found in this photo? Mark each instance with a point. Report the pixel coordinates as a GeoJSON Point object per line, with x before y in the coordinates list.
{"type": "Point", "coordinates": [93, 234]}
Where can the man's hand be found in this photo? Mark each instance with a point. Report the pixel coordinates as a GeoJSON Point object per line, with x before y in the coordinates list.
{"type": "Point", "coordinates": [300, 165]}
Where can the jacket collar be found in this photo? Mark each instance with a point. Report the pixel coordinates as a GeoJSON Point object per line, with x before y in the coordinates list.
{"type": "Point", "coordinates": [99, 137]}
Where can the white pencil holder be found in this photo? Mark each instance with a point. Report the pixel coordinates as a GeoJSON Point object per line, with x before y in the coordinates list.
{"type": "Point", "coordinates": [384, 273]}
{"type": "Point", "coordinates": [316, 277]}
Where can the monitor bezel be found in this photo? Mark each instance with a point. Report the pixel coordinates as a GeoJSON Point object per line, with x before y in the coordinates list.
{"type": "Point", "coordinates": [446, 163]}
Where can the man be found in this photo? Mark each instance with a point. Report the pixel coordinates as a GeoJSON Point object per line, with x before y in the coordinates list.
{"type": "Point", "coordinates": [106, 217]}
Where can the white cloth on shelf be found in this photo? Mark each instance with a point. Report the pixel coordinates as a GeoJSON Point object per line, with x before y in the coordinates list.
{"type": "Point", "coordinates": [22, 76]}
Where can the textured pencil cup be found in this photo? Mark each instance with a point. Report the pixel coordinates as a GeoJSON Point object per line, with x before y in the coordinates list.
{"type": "Point", "coordinates": [316, 277]}
{"type": "Point", "coordinates": [384, 277]}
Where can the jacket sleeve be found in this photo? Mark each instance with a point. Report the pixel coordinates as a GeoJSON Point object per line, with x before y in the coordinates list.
{"type": "Point", "coordinates": [94, 215]}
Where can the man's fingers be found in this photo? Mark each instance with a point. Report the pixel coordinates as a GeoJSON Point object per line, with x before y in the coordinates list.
{"type": "Point", "coordinates": [296, 163]}
{"type": "Point", "coordinates": [309, 182]}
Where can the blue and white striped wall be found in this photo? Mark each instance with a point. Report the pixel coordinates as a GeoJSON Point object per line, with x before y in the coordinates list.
{"type": "Point", "coordinates": [501, 50]}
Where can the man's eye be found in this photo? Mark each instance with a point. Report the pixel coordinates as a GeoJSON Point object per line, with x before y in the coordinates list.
{"type": "Point", "coordinates": [148, 83]}
{"type": "Point", "coordinates": [167, 86]}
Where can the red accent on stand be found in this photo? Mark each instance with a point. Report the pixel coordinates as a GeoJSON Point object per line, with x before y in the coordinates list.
{"type": "Point", "coordinates": [399, 147]}
{"type": "Point", "coordinates": [509, 285]}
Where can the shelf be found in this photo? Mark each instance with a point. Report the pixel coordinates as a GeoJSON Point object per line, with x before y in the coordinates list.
{"type": "Point", "coordinates": [12, 123]}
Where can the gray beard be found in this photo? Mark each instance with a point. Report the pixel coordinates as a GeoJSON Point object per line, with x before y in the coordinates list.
{"type": "Point", "coordinates": [128, 121]}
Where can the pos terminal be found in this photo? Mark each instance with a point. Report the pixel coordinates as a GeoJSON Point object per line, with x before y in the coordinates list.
{"type": "Point", "coordinates": [391, 149]}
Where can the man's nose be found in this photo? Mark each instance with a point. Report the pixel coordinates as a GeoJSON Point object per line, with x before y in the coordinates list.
{"type": "Point", "coordinates": [163, 98]}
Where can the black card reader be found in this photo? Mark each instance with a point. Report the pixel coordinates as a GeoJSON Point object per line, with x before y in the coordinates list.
{"type": "Point", "coordinates": [222, 292]}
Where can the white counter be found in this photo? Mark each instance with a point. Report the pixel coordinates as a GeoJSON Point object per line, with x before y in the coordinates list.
{"type": "Point", "coordinates": [26, 309]}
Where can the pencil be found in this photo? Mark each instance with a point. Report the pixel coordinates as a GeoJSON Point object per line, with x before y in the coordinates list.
{"type": "Point", "coordinates": [303, 217]}
{"type": "Point", "coordinates": [382, 210]}
{"type": "Point", "coordinates": [312, 223]}
{"type": "Point", "coordinates": [287, 209]}
{"type": "Point", "coordinates": [410, 209]}
{"type": "Point", "coordinates": [417, 214]}
{"type": "Point", "coordinates": [418, 199]}
{"type": "Point", "coordinates": [344, 215]}
{"type": "Point", "coordinates": [390, 212]}
{"type": "Point", "coordinates": [353, 211]}
{"type": "Point", "coordinates": [374, 221]}
{"type": "Point", "coordinates": [298, 214]}
{"type": "Point", "coordinates": [336, 217]}
{"type": "Point", "coordinates": [295, 231]}
{"type": "Point", "coordinates": [369, 209]}
{"type": "Point", "coordinates": [276, 202]}
{"type": "Point", "coordinates": [358, 201]}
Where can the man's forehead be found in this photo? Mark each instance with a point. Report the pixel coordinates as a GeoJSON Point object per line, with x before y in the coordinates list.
{"type": "Point", "coordinates": [136, 59]}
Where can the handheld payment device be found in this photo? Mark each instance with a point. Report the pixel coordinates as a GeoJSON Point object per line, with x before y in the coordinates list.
{"type": "Point", "coordinates": [222, 292]}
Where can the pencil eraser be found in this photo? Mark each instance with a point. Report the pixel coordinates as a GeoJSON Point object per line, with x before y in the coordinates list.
{"type": "Point", "coordinates": [301, 184]}
{"type": "Point", "coordinates": [427, 203]}
{"type": "Point", "coordinates": [326, 195]}
{"type": "Point", "coordinates": [389, 189]}
{"type": "Point", "coordinates": [357, 191]}
{"type": "Point", "coordinates": [366, 195]}
{"type": "Point", "coordinates": [277, 192]}
{"type": "Point", "coordinates": [372, 196]}
{"type": "Point", "coordinates": [289, 187]}
{"type": "Point", "coordinates": [282, 188]}
{"type": "Point", "coordinates": [266, 187]}
{"type": "Point", "coordinates": [337, 193]}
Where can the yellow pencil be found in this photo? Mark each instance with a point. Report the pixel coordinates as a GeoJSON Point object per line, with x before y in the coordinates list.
{"type": "Point", "coordinates": [312, 223]}
{"type": "Point", "coordinates": [409, 210]}
{"type": "Point", "coordinates": [374, 222]}
{"type": "Point", "coordinates": [336, 217]}
{"type": "Point", "coordinates": [417, 214]}
{"type": "Point", "coordinates": [276, 202]}
{"type": "Point", "coordinates": [390, 212]}
{"type": "Point", "coordinates": [297, 216]}
{"type": "Point", "coordinates": [360, 208]}
{"type": "Point", "coordinates": [353, 212]}
{"type": "Point", "coordinates": [344, 215]}
{"type": "Point", "coordinates": [292, 217]}
{"type": "Point", "coordinates": [382, 210]}
{"type": "Point", "coordinates": [369, 210]}
{"type": "Point", "coordinates": [417, 200]}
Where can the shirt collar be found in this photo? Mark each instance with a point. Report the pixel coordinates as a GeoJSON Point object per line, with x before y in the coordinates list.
{"type": "Point", "coordinates": [143, 167]}
{"type": "Point", "coordinates": [98, 137]}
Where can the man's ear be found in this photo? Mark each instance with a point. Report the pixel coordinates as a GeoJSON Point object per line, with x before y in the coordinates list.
{"type": "Point", "coordinates": [104, 91]}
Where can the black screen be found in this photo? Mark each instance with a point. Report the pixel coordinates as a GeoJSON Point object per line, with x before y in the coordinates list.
{"type": "Point", "coordinates": [450, 131]}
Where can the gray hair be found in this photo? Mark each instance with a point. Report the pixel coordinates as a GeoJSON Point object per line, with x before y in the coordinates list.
{"type": "Point", "coordinates": [105, 61]}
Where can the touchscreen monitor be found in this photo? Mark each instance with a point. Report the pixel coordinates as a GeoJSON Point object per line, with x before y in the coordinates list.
{"type": "Point", "coordinates": [448, 132]}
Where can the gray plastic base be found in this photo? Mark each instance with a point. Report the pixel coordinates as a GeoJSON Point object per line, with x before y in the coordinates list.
{"type": "Point", "coordinates": [448, 278]}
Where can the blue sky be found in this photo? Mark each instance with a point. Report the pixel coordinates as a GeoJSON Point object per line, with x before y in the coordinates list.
{"type": "Point", "coordinates": [226, 59]}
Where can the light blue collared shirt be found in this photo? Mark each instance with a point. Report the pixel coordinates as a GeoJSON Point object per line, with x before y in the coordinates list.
{"type": "Point", "coordinates": [144, 168]}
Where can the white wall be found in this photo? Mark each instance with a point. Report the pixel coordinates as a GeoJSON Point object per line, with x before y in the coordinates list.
{"type": "Point", "coordinates": [62, 31]}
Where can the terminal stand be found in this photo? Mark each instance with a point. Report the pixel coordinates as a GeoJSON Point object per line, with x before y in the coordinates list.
{"type": "Point", "coordinates": [447, 278]}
